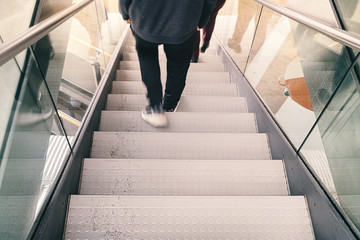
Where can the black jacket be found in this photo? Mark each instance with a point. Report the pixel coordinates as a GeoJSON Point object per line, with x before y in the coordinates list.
{"type": "Point", "coordinates": [166, 21]}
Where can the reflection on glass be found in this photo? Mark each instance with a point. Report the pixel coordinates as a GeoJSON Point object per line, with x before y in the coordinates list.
{"type": "Point", "coordinates": [297, 73]}
{"type": "Point", "coordinates": [86, 34]}
{"type": "Point", "coordinates": [26, 152]}
{"type": "Point", "coordinates": [333, 149]}
{"type": "Point", "coordinates": [235, 29]}
{"type": "Point", "coordinates": [65, 69]}
{"type": "Point", "coordinates": [247, 11]}
{"type": "Point", "coordinates": [78, 65]}
{"type": "Point", "coordinates": [84, 45]}
{"type": "Point", "coordinates": [15, 17]}
{"type": "Point", "coordinates": [349, 14]}
{"type": "Point", "coordinates": [324, 63]}
{"type": "Point", "coordinates": [274, 70]}
{"type": "Point", "coordinates": [8, 89]}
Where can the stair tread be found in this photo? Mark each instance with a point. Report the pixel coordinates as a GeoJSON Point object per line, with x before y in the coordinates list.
{"type": "Point", "coordinates": [224, 202]}
{"type": "Point", "coordinates": [210, 51]}
{"type": "Point", "coordinates": [213, 67]}
{"type": "Point", "coordinates": [136, 102]}
{"type": "Point", "coordinates": [162, 57]}
{"type": "Point", "coordinates": [131, 121]}
{"type": "Point", "coordinates": [261, 217]}
{"type": "Point", "coordinates": [197, 177]}
{"type": "Point", "coordinates": [202, 89]}
{"type": "Point", "coordinates": [105, 163]}
{"type": "Point", "coordinates": [180, 145]}
{"type": "Point", "coordinates": [207, 77]}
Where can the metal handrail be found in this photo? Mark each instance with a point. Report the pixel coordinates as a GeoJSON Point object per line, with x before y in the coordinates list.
{"type": "Point", "coordinates": [19, 43]}
{"type": "Point", "coordinates": [339, 35]}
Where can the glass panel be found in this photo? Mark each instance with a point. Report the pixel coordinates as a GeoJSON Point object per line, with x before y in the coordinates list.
{"type": "Point", "coordinates": [85, 34]}
{"type": "Point", "coordinates": [27, 152]}
{"type": "Point", "coordinates": [319, 9]}
{"type": "Point", "coordinates": [35, 147]}
{"type": "Point", "coordinates": [333, 149]}
{"type": "Point", "coordinates": [235, 28]}
{"type": "Point", "coordinates": [274, 70]}
{"type": "Point", "coordinates": [295, 70]}
{"type": "Point", "coordinates": [281, 2]}
{"type": "Point", "coordinates": [51, 7]}
{"type": "Point", "coordinates": [15, 17]}
{"type": "Point", "coordinates": [113, 27]}
{"type": "Point", "coordinates": [8, 90]}
{"type": "Point", "coordinates": [324, 63]}
{"type": "Point", "coordinates": [350, 14]}
{"type": "Point", "coordinates": [76, 64]}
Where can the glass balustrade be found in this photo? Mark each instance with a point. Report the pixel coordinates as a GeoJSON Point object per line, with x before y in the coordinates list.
{"type": "Point", "coordinates": [308, 82]}
{"type": "Point", "coordinates": [25, 151]}
{"type": "Point", "coordinates": [15, 17]}
{"type": "Point", "coordinates": [333, 150]}
{"type": "Point", "coordinates": [45, 92]}
{"type": "Point", "coordinates": [349, 11]}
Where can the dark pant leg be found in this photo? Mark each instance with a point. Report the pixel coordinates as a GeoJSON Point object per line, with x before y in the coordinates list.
{"type": "Point", "coordinates": [178, 62]}
{"type": "Point", "coordinates": [196, 50]}
{"type": "Point", "coordinates": [209, 27]}
{"type": "Point", "coordinates": [150, 69]}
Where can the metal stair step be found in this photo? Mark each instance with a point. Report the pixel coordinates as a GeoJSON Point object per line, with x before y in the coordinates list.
{"type": "Point", "coordinates": [131, 121]}
{"type": "Point", "coordinates": [162, 58]}
{"type": "Point", "coordinates": [200, 89]}
{"type": "Point", "coordinates": [136, 102]}
{"type": "Point", "coordinates": [162, 145]}
{"type": "Point", "coordinates": [183, 177]}
{"type": "Point", "coordinates": [135, 217]}
{"type": "Point", "coordinates": [210, 51]}
{"type": "Point", "coordinates": [213, 67]}
{"type": "Point", "coordinates": [200, 77]}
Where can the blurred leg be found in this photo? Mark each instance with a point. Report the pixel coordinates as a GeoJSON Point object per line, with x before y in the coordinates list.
{"type": "Point", "coordinates": [178, 62]}
{"type": "Point", "coordinates": [196, 50]}
{"type": "Point", "coordinates": [209, 27]}
{"type": "Point", "coordinates": [150, 69]}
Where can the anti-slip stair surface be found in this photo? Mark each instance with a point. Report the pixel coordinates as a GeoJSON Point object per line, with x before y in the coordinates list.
{"type": "Point", "coordinates": [227, 146]}
{"type": "Point", "coordinates": [130, 121]}
{"type": "Point", "coordinates": [136, 102]}
{"type": "Point", "coordinates": [192, 77]}
{"type": "Point", "coordinates": [125, 217]}
{"type": "Point", "coordinates": [197, 89]}
{"type": "Point", "coordinates": [208, 175]}
{"type": "Point", "coordinates": [183, 177]}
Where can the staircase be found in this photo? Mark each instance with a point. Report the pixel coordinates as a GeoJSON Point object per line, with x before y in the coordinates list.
{"type": "Point", "coordinates": [208, 175]}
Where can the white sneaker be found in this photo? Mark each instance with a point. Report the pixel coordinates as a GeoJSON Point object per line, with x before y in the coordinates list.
{"type": "Point", "coordinates": [155, 116]}
{"type": "Point", "coordinates": [35, 115]}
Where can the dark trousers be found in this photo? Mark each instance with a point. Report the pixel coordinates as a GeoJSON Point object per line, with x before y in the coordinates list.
{"type": "Point", "coordinates": [208, 28]}
{"type": "Point", "coordinates": [178, 62]}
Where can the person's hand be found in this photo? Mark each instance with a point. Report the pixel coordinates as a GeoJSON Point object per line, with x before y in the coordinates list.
{"type": "Point", "coordinates": [128, 21]}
